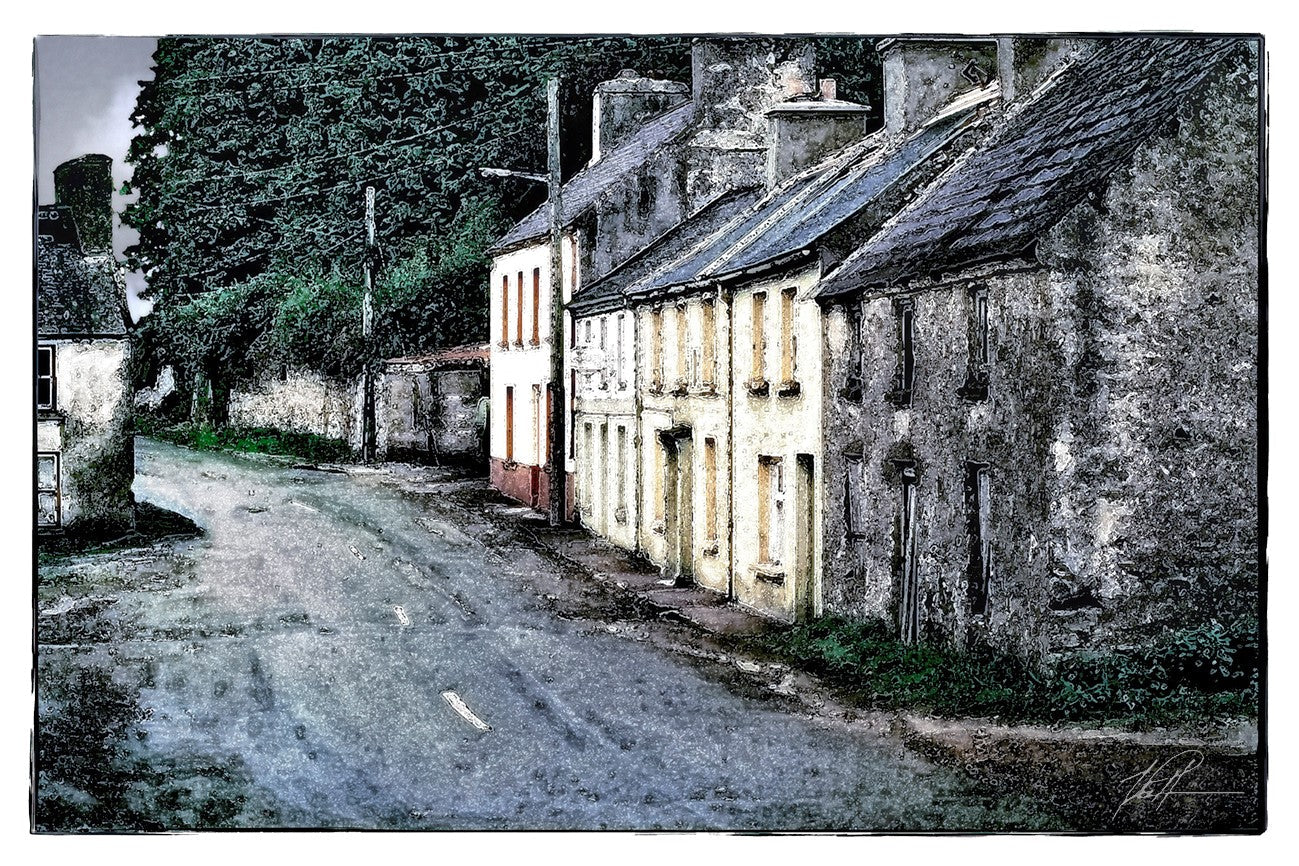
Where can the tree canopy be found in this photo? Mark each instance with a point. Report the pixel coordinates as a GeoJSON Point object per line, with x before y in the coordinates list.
{"type": "Point", "coordinates": [252, 156]}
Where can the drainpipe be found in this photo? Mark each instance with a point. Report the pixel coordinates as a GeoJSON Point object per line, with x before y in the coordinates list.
{"type": "Point", "coordinates": [638, 407]}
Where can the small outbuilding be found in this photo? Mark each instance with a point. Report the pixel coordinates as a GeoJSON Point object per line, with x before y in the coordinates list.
{"type": "Point", "coordinates": [433, 408]}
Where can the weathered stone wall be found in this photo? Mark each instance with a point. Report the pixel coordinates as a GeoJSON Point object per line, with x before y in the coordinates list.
{"type": "Point", "coordinates": [1155, 300]}
{"type": "Point", "coordinates": [1119, 427]}
{"type": "Point", "coordinates": [303, 402]}
{"type": "Point", "coordinates": [940, 431]}
{"type": "Point", "coordinates": [90, 428]}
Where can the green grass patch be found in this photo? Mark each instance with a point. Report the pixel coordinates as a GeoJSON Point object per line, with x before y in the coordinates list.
{"type": "Point", "coordinates": [1205, 673]}
{"type": "Point", "coordinates": [254, 440]}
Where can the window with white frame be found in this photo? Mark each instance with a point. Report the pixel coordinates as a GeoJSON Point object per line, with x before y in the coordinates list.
{"type": "Point", "coordinates": [45, 377]}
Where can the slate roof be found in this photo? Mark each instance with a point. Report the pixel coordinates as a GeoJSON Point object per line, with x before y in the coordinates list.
{"type": "Point", "coordinates": [470, 355]}
{"type": "Point", "coordinates": [1028, 173]}
{"type": "Point", "coordinates": [608, 292]}
{"type": "Point", "coordinates": [76, 294]}
{"type": "Point", "coordinates": [583, 189]}
{"type": "Point", "coordinates": [799, 212]}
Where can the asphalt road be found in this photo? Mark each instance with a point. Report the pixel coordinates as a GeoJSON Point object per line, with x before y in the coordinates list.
{"type": "Point", "coordinates": [335, 653]}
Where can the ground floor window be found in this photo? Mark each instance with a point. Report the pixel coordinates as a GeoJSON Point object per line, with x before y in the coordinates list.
{"type": "Point", "coordinates": [771, 510]}
{"type": "Point", "coordinates": [47, 489]}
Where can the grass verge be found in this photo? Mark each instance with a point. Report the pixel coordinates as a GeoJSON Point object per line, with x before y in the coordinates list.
{"type": "Point", "coordinates": [253, 440]}
{"type": "Point", "coordinates": [1196, 675]}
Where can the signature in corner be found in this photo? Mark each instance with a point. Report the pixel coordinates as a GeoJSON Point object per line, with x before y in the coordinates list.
{"type": "Point", "coordinates": [1162, 779]}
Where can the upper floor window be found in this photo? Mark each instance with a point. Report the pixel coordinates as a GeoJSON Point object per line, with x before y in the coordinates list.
{"type": "Point", "coordinates": [505, 309]}
{"type": "Point", "coordinates": [758, 367]}
{"type": "Point", "coordinates": [656, 345]}
{"type": "Point", "coordinates": [788, 344]}
{"type": "Point", "coordinates": [45, 377]}
{"type": "Point", "coordinates": [853, 384]}
{"type": "Point", "coordinates": [518, 328]}
{"type": "Point", "coordinates": [707, 371]}
{"type": "Point", "coordinates": [977, 369]}
{"type": "Point", "coordinates": [905, 378]}
{"type": "Point", "coordinates": [682, 346]}
{"type": "Point", "coordinates": [536, 306]}
{"type": "Point", "coordinates": [620, 361]}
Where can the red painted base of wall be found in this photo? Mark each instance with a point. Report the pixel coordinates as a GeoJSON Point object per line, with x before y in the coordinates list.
{"type": "Point", "coordinates": [528, 484]}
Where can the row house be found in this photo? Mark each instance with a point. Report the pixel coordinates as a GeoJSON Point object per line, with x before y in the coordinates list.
{"type": "Point", "coordinates": [1041, 376]}
{"type": "Point", "coordinates": [662, 151]}
{"type": "Point", "coordinates": [732, 459]}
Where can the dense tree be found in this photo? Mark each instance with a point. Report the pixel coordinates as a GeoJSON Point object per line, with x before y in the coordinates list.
{"type": "Point", "coordinates": [252, 156]}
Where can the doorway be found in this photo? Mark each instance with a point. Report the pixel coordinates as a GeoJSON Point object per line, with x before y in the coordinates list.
{"type": "Point", "coordinates": [679, 512]}
{"type": "Point", "coordinates": [804, 600]}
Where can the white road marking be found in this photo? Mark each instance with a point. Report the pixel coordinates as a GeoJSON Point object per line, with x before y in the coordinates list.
{"type": "Point", "coordinates": [401, 615]}
{"type": "Point", "coordinates": [306, 506]}
{"type": "Point", "coordinates": [465, 713]}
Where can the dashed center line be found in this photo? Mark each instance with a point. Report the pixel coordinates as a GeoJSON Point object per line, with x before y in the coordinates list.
{"type": "Point", "coordinates": [465, 713]}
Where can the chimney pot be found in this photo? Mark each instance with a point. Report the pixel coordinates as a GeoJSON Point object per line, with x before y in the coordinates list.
{"type": "Point", "coordinates": [829, 88]}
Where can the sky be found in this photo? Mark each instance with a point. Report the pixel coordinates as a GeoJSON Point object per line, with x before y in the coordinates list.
{"type": "Point", "coordinates": [85, 91]}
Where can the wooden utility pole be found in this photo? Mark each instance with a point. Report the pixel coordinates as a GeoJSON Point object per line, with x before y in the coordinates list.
{"type": "Point", "coordinates": [558, 405]}
{"type": "Point", "coordinates": [367, 323]}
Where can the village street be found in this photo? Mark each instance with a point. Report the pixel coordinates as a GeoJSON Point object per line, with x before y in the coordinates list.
{"type": "Point", "coordinates": [354, 650]}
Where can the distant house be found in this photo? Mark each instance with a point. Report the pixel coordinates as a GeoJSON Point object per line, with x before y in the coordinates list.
{"type": "Point", "coordinates": [1042, 374]}
{"type": "Point", "coordinates": [428, 407]}
{"type": "Point", "coordinates": [85, 455]}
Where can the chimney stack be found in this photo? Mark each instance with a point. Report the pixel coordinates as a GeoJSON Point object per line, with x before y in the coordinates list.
{"type": "Point", "coordinates": [804, 131]}
{"type": "Point", "coordinates": [85, 186]}
{"type": "Point", "coordinates": [923, 75]}
{"type": "Point", "coordinates": [1024, 62]}
{"type": "Point", "coordinates": [623, 105]}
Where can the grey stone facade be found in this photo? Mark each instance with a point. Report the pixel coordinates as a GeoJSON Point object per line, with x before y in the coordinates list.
{"type": "Point", "coordinates": [1090, 477]}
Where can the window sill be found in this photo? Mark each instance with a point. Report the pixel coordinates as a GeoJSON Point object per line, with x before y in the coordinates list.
{"type": "Point", "coordinates": [659, 528]}
{"type": "Point", "coordinates": [534, 343]}
{"type": "Point", "coordinates": [711, 548]}
{"type": "Point", "coordinates": [503, 344]}
{"type": "Point", "coordinates": [48, 414]}
{"type": "Point", "coordinates": [975, 388]}
{"type": "Point", "coordinates": [704, 391]}
{"type": "Point", "coordinates": [758, 387]}
{"type": "Point", "coordinates": [899, 399]}
{"type": "Point", "coordinates": [656, 389]}
{"type": "Point", "coordinates": [769, 572]}
{"type": "Point", "coordinates": [509, 464]}
{"type": "Point", "coordinates": [680, 389]}
{"type": "Point", "coordinates": [620, 515]}
{"type": "Point", "coordinates": [789, 389]}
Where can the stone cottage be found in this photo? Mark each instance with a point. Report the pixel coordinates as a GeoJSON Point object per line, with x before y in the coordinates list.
{"type": "Point", "coordinates": [85, 452]}
{"type": "Point", "coordinates": [1041, 375]}
{"type": "Point", "coordinates": [662, 151]}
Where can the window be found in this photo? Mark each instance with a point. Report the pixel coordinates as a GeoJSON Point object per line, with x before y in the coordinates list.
{"type": "Point", "coordinates": [538, 432]}
{"type": "Point", "coordinates": [588, 497]}
{"type": "Point", "coordinates": [759, 338]}
{"type": "Point", "coordinates": [660, 467]}
{"type": "Point", "coordinates": [45, 377]}
{"type": "Point", "coordinates": [710, 489]}
{"type": "Point", "coordinates": [978, 508]}
{"type": "Point", "coordinates": [904, 381]}
{"type": "Point", "coordinates": [788, 350]}
{"type": "Point", "coordinates": [620, 510]}
{"type": "Point", "coordinates": [852, 385]}
{"type": "Point", "coordinates": [645, 197]}
{"type": "Point", "coordinates": [621, 363]}
{"type": "Point", "coordinates": [587, 337]}
{"type": "Point", "coordinates": [855, 495]}
{"type": "Point", "coordinates": [604, 332]}
{"type": "Point", "coordinates": [536, 306]}
{"type": "Point", "coordinates": [518, 328]}
{"type": "Point", "coordinates": [509, 423]}
{"type": "Point", "coordinates": [707, 372]}
{"type": "Point", "coordinates": [505, 309]}
{"type": "Point", "coordinates": [47, 489]}
{"type": "Point", "coordinates": [656, 345]}
{"type": "Point", "coordinates": [771, 510]}
{"type": "Point", "coordinates": [545, 455]}
{"type": "Point", "coordinates": [682, 371]}
{"type": "Point", "coordinates": [976, 377]}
